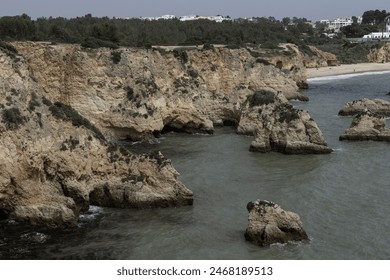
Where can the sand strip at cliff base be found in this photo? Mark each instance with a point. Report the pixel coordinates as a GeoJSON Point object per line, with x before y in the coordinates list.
{"type": "Point", "coordinates": [347, 69]}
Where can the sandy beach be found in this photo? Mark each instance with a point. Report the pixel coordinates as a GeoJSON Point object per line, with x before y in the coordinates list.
{"type": "Point", "coordinates": [347, 69]}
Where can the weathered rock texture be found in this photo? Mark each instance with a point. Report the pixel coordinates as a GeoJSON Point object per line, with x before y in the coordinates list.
{"type": "Point", "coordinates": [380, 55]}
{"type": "Point", "coordinates": [367, 126]}
{"type": "Point", "coordinates": [294, 62]}
{"type": "Point", "coordinates": [376, 106]}
{"type": "Point", "coordinates": [269, 224]}
{"type": "Point", "coordinates": [61, 105]}
{"type": "Point", "coordinates": [55, 162]}
{"type": "Point", "coordinates": [278, 126]}
{"type": "Point", "coordinates": [149, 90]}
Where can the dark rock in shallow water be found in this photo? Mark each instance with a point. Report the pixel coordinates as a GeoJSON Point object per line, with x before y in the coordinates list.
{"type": "Point", "coordinates": [303, 85]}
{"type": "Point", "coordinates": [269, 224]}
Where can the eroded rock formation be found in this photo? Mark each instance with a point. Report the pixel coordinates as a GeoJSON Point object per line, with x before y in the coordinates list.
{"type": "Point", "coordinates": [376, 106]}
{"type": "Point", "coordinates": [63, 106]}
{"type": "Point", "coordinates": [380, 55]}
{"type": "Point", "coordinates": [55, 162]}
{"type": "Point", "coordinates": [148, 90]}
{"type": "Point", "coordinates": [278, 126]}
{"type": "Point", "coordinates": [367, 126]}
{"type": "Point", "coordinates": [269, 224]}
{"type": "Point", "coordinates": [293, 61]}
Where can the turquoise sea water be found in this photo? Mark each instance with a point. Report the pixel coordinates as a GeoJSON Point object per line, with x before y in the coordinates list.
{"type": "Point", "coordinates": [342, 198]}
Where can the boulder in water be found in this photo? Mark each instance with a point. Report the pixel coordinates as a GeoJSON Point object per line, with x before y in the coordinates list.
{"type": "Point", "coordinates": [367, 126]}
{"type": "Point", "coordinates": [377, 106]}
{"type": "Point", "coordinates": [269, 224]}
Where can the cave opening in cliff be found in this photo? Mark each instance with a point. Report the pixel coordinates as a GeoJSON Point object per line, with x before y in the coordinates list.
{"type": "Point", "coordinates": [279, 64]}
{"type": "Point", "coordinates": [230, 122]}
{"type": "Point", "coordinates": [168, 128]}
{"type": "Point", "coordinates": [4, 214]}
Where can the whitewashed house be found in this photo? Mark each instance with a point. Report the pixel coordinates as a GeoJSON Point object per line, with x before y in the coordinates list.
{"type": "Point", "coordinates": [380, 35]}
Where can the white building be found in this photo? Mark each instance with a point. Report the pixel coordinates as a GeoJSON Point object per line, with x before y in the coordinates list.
{"type": "Point", "coordinates": [337, 23]}
{"type": "Point", "coordinates": [377, 36]}
{"type": "Point", "coordinates": [157, 18]}
{"type": "Point", "coordinates": [380, 35]}
{"type": "Point", "coordinates": [217, 18]}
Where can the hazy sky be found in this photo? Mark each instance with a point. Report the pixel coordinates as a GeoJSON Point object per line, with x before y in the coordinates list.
{"type": "Point", "coordinates": [311, 9]}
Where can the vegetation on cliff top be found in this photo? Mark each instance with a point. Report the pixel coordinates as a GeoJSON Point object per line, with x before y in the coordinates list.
{"type": "Point", "coordinates": [267, 33]}
{"type": "Point", "coordinates": [93, 32]}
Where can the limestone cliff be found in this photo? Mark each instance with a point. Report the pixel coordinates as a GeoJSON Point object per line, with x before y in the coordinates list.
{"type": "Point", "coordinates": [55, 162]}
{"type": "Point", "coordinates": [290, 59]}
{"type": "Point", "coordinates": [145, 91]}
{"type": "Point", "coordinates": [380, 55]}
{"type": "Point", "coordinates": [63, 106]}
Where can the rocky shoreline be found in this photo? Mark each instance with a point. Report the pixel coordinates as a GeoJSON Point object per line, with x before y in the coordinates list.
{"type": "Point", "coordinates": [63, 107]}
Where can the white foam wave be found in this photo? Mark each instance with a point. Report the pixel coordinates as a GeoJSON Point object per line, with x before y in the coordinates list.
{"type": "Point", "coordinates": [345, 76]}
{"type": "Point", "coordinates": [35, 237]}
{"type": "Point", "coordinates": [92, 213]}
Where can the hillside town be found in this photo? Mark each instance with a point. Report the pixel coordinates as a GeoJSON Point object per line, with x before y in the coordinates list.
{"type": "Point", "coordinates": [331, 26]}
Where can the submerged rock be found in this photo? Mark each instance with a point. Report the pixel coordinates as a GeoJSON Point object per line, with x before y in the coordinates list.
{"type": "Point", "coordinates": [367, 126]}
{"type": "Point", "coordinates": [269, 224]}
{"type": "Point", "coordinates": [377, 106]}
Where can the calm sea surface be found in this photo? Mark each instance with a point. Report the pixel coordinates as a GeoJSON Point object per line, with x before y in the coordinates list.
{"type": "Point", "coordinates": [342, 198]}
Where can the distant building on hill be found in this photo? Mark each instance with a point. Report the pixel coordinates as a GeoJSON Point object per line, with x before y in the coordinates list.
{"type": "Point", "coordinates": [157, 18]}
{"type": "Point", "coordinates": [217, 18]}
{"type": "Point", "coordinates": [336, 24]}
{"type": "Point", "coordinates": [385, 35]}
{"type": "Point", "coordinates": [377, 36]}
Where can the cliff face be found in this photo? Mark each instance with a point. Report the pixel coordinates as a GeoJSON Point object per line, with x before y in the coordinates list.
{"type": "Point", "coordinates": [145, 91]}
{"type": "Point", "coordinates": [61, 106]}
{"type": "Point", "coordinates": [294, 62]}
{"type": "Point", "coordinates": [380, 55]}
{"type": "Point", "coordinates": [55, 163]}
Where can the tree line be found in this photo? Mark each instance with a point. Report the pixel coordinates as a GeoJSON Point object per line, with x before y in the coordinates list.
{"type": "Point", "coordinates": [93, 32]}
{"type": "Point", "coordinates": [372, 21]}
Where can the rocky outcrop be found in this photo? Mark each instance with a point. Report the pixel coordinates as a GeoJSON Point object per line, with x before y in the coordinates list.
{"type": "Point", "coordinates": [380, 55]}
{"type": "Point", "coordinates": [55, 162]}
{"type": "Point", "coordinates": [377, 106]}
{"type": "Point", "coordinates": [278, 126]}
{"type": "Point", "coordinates": [62, 107]}
{"type": "Point", "coordinates": [294, 62]}
{"type": "Point", "coordinates": [367, 126]}
{"type": "Point", "coordinates": [152, 91]}
{"type": "Point", "coordinates": [269, 224]}
{"type": "Point", "coordinates": [147, 91]}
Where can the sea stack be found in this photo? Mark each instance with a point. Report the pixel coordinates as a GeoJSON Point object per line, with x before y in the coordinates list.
{"type": "Point", "coordinates": [269, 224]}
